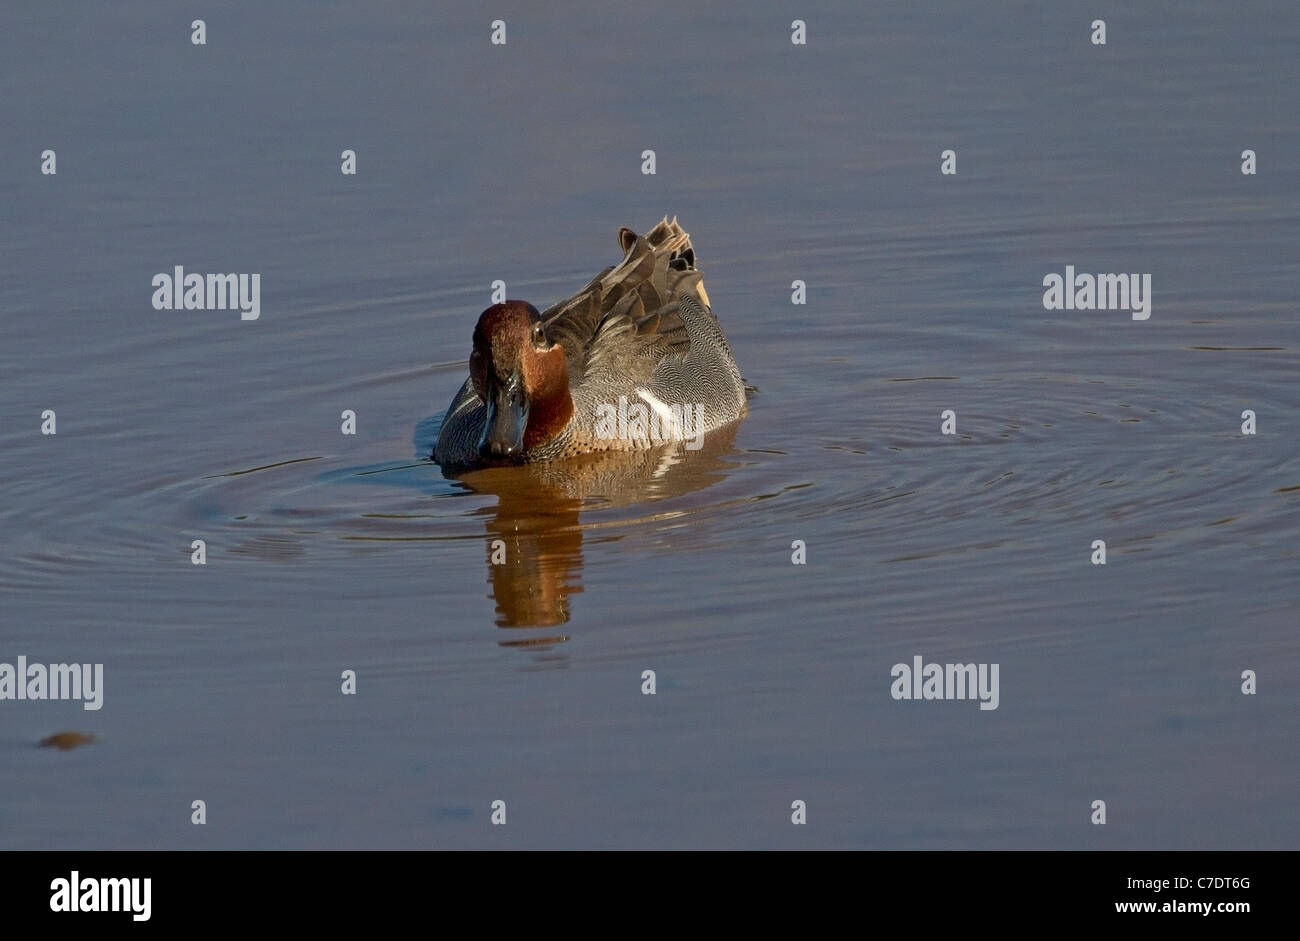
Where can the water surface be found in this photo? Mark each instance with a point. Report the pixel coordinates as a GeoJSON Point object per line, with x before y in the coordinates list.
{"type": "Point", "coordinates": [523, 682]}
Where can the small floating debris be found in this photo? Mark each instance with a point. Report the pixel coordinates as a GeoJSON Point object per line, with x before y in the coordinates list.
{"type": "Point", "coordinates": [1240, 349]}
{"type": "Point", "coordinates": [66, 740]}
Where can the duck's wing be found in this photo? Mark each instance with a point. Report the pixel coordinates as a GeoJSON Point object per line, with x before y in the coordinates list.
{"type": "Point", "coordinates": [628, 318]}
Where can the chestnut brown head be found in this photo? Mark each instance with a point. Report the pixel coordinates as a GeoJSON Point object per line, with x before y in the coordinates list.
{"type": "Point", "coordinates": [522, 379]}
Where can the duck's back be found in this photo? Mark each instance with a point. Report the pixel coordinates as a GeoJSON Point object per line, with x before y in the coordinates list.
{"type": "Point", "coordinates": [645, 331]}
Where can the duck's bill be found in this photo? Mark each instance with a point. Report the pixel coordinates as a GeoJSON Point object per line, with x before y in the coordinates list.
{"type": "Point", "coordinates": [507, 417]}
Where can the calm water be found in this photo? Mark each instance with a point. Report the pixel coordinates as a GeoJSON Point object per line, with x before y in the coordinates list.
{"type": "Point", "coordinates": [523, 682]}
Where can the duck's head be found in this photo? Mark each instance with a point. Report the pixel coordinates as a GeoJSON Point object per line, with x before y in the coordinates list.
{"type": "Point", "coordinates": [521, 377]}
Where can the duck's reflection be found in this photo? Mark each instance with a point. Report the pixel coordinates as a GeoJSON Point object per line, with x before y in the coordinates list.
{"type": "Point", "coordinates": [535, 531]}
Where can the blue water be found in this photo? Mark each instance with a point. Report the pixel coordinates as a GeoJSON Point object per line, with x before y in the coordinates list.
{"type": "Point", "coordinates": [523, 682]}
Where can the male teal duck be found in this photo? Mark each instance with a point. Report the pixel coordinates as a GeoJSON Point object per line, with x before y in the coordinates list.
{"type": "Point", "coordinates": [634, 360]}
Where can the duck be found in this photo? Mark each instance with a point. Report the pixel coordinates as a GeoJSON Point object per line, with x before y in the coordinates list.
{"type": "Point", "coordinates": [634, 360]}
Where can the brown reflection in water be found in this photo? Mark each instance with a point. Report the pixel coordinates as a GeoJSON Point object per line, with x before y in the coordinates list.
{"type": "Point", "coordinates": [538, 521]}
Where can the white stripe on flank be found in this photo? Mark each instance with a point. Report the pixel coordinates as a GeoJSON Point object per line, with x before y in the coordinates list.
{"type": "Point", "coordinates": [667, 422]}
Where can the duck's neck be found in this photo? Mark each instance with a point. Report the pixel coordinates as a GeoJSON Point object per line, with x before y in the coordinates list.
{"type": "Point", "coordinates": [550, 404]}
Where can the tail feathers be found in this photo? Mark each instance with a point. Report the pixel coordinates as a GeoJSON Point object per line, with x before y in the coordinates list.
{"type": "Point", "coordinates": [673, 268]}
{"type": "Point", "coordinates": [640, 296]}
